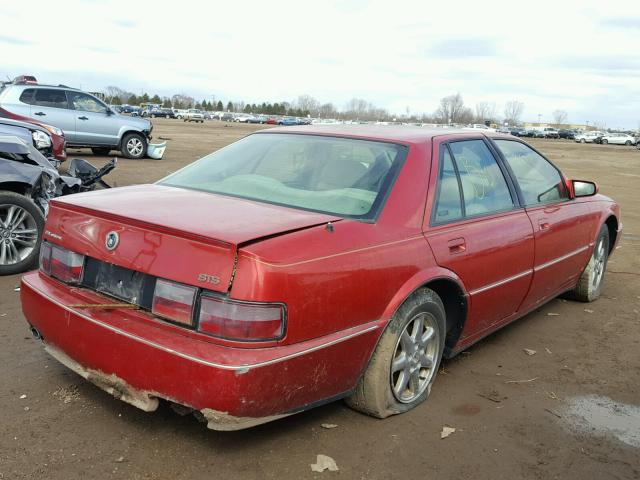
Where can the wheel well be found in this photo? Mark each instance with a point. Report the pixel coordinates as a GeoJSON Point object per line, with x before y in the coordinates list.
{"type": "Point", "coordinates": [127, 133]}
{"type": "Point", "coordinates": [612, 225]}
{"type": "Point", "coordinates": [16, 187]}
{"type": "Point", "coordinates": [455, 307]}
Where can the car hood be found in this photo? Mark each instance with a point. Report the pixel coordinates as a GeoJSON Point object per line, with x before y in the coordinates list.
{"type": "Point", "coordinates": [141, 123]}
{"type": "Point", "coordinates": [205, 215]}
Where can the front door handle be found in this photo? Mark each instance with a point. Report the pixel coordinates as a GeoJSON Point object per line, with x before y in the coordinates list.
{"type": "Point", "coordinates": [40, 114]}
{"type": "Point", "coordinates": [83, 118]}
{"type": "Point", "coordinates": [457, 245]}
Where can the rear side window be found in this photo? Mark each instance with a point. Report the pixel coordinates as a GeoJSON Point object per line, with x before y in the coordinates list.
{"type": "Point", "coordinates": [484, 188]}
{"type": "Point", "coordinates": [27, 96]}
{"type": "Point", "coordinates": [44, 97]}
{"type": "Point", "coordinates": [539, 180]}
{"type": "Point", "coordinates": [448, 204]}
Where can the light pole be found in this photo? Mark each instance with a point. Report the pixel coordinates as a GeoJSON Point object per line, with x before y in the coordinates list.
{"type": "Point", "coordinates": [539, 116]}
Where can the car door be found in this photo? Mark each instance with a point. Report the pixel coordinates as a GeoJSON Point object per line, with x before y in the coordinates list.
{"type": "Point", "coordinates": [477, 230]}
{"type": "Point", "coordinates": [95, 123]}
{"type": "Point", "coordinates": [561, 226]}
{"type": "Point", "coordinates": [49, 105]}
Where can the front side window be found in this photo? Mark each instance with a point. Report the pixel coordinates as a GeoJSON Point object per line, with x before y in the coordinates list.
{"type": "Point", "coordinates": [86, 103]}
{"type": "Point", "coordinates": [339, 176]}
{"type": "Point", "coordinates": [484, 188]}
{"type": "Point", "coordinates": [540, 182]}
{"type": "Point", "coordinates": [50, 98]}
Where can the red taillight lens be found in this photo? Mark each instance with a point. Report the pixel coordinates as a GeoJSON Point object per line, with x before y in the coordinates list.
{"type": "Point", "coordinates": [61, 263]}
{"type": "Point", "coordinates": [45, 257]}
{"type": "Point", "coordinates": [173, 301]}
{"type": "Point", "coordinates": [241, 321]}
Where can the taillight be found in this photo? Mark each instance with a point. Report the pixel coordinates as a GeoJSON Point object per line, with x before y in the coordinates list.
{"type": "Point", "coordinates": [173, 301]}
{"type": "Point", "coordinates": [243, 321]}
{"type": "Point", "coordinates": [61, 263]}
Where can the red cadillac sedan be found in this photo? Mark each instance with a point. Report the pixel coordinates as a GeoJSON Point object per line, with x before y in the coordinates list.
{"type": "Point", "coordinates": [302, 265]}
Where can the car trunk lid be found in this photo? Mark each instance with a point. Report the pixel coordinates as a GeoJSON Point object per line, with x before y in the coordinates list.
{"type": "Point", "coordinates": [182, 235]}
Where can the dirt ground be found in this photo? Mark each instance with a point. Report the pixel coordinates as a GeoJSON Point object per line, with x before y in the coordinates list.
{"type": "Point", "coordinates": [576, 415]}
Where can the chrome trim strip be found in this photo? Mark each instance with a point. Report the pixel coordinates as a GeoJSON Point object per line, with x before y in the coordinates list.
{"type": "Point", "coordinates": [240, 368]}
{"type": "Point", "coordinates": [501, 282]}
{"type": "Point", "coordinates": [560, 259]}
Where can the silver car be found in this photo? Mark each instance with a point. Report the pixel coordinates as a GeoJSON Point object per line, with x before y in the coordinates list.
{"type": "Point", "coordinates": [85, 120]}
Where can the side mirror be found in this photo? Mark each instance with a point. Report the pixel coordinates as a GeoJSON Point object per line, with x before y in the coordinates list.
{"type": "Point", "coordinates": [109, 111]}
{"type": "Point", "coordinates": [584, 188]}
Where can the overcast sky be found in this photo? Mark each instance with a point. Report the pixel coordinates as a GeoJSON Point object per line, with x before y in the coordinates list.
{"type": "Point", "coordinates": [582, 57]}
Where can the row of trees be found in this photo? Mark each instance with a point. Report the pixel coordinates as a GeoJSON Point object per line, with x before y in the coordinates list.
{"type": "Point", "coordinates": [451, 109]}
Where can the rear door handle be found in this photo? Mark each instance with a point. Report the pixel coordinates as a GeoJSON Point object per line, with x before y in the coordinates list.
{"type": "Point", "coordinates": [83, 118]}
{"type": "Point", "coordinates": [544, 224]}
{"type": "Point", "coordinates": [457, 245]}
{"type": "Point", "coordinates": [40, 114]}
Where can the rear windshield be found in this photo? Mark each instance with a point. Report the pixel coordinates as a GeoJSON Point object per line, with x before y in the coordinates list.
{"type": "Point", "coordinates": [344, 177]}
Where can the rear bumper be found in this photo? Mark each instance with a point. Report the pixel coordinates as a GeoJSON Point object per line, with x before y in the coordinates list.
{"type": "Point", "coordinates": [139, 359]}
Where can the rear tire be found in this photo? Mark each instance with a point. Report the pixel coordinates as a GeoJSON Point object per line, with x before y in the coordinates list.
{"type": "Point", "coordinates": [590, 284]}
{"type": "Point", "coordinates": [134, 146]}
{"type": "Point", "coordinates": [403, 366]}
{"type": "Point", "coordinates": [24, 235]}
{"type": "Point", "coordinates": [605, 141]}
{"type": "Point", "coordinates": [100, 151]}
{"type": "Point", "coordinates": [582, 140]}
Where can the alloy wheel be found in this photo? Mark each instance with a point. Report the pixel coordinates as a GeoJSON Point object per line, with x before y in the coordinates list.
{"type": "Point", "coordinates": [599, 263]}
{"type": "Point", "coordinates": [415, 357]}
{"type": "Point", "coordinates": [134, 146]}
{"type": "Point", "coordinates": [18, 234]}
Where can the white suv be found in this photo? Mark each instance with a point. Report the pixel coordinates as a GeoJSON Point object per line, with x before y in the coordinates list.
{"type": "Point", "coordinates": [194, 115]}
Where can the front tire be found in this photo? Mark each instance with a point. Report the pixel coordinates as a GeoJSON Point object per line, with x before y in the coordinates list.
{"type": "Point", "coordinates": [605, 141]}
{"type": "Point", "coordinates": [403, 366]}
{"type": "Point", "coordinates": [628, 143]}
{"type": "Point", "coordinates": [582, 140]}
{"type": "Point", "coordinates": [21, 226]}
{"type": "Point", "coordinates": [590, 284]}
{"type": "Point", "coordinates": [134, 146]}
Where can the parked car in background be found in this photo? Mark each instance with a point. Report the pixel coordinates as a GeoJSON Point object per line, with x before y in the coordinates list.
{"type": "Point", "coordinates": [85, 120]}
{"type": "Point", "coordinates": [288, 121]}
{"type": "Point", "coordinates": [517, 131]}
{"type": "Point", "coordinates": [231, 330]}
{"type": "Point", "coordinates": [193, 115]}
{"type": "Point", "coordinates": [242, 117]}
{"type": "Point", "coordinates": [49, 140]}
{"type": "Point", "coordinates": [550, 132]}
{"type": "Point", "coordinates": [131, 109]}
{"type": "Point", "coordinates": [179, 113]}
{"type": "Point", "coordinates": [258, 119]}
{"type": "Point", "coordinates": [568, 134]}
{"type": "Point", "coordinates": [618, 139]}
{"type": "Point", "coordinates": [28, 181]}
{"type": "Point", "coordinates": [161, 112]}
{"type": "Point", "coordinates": [587, 137]}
